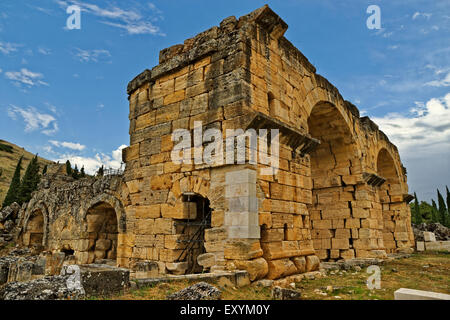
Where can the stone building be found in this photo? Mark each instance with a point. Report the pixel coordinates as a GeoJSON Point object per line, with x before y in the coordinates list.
{"type": "Point", "coordinates": [339, 190]}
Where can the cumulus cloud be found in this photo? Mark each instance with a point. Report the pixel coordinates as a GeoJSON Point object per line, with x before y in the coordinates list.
{"type": "Point", "coordinates": [26, 77]}
{"type": "Point", "coordinates": [68, 145]}
{"type": "Point", "coordinates": [423, 139]}
{"type": "Point", "coordinates": [427, 129]}
{"type": "Point", "coordinates": [134, 20]}
{"type": "Point", "coordinates": [34, 120]}
{"type": "Point", "coordinates": [92, 55]}
{"type": "Point", "coordinates": [91, 164]}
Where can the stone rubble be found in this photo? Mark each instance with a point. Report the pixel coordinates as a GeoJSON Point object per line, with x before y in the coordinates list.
{"type": "Point", "coordinates": [198, 291]}
{"type": "Point", "coordinates": [47, 288]}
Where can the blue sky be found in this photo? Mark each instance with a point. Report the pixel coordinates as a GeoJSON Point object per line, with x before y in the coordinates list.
{"type": "Point", "coordinates": [63, 92]}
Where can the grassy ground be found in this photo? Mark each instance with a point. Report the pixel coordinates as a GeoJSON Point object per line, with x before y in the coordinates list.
{"type": "Point", "coordinates": [425, 271]}
{"type": "Point", "coordinates": [8, 163]}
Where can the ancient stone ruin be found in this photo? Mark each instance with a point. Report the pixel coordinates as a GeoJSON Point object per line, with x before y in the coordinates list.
{"type": "Point", "coordinates": [339, 191]}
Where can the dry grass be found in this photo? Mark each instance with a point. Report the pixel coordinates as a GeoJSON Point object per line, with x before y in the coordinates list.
{"type": "Point", "coordinates": [425, 271]}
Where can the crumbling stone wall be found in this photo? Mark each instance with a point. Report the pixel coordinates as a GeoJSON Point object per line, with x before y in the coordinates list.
{"type": "Point", "coordinates": [80, 218]}
{"type": "Point", "coordinates": [339, 191]}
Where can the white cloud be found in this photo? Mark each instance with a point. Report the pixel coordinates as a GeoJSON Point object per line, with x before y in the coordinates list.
{"type": "Point", "coordinates": [426, 130]}
{"type": "Point", "coordinates": [44, 51]}
{"type": "Point", "coordinates": [92, 55]}
{"type": "Point", "coordinates": [26, 77]}
{"type": "Point", "coordinates": [68, 145]}
{"type": "Point", "coordinates": [423, 14]}
{"type": "Point", "coordinates": [131, 19]}
{"type": "Point", "coordinates": [423, 140]}
{"type": "Point", "coordinates": [91, 164]}
{"type": "Point", "coordinates": [34, 120]}
{"type": "Point", "coordinates": [8, 47]}
{"type": "Point", "coordinates": [445, 82]}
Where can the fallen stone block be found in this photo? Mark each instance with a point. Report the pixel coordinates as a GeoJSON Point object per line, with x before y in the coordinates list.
{"type": "Point", "coordinates": [429, 236]}
{"type": "Point", "coordinates": [411, 294]}
{"type": "Point", "coordinates": [420, 246]}
{"type": "Point", "coordinates": [438, 246]}
{"type": "Point", "coordinates": [100, 279]}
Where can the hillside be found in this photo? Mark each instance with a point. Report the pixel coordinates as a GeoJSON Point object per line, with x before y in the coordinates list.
{"type": "Point", "coordinates": [9, 155]}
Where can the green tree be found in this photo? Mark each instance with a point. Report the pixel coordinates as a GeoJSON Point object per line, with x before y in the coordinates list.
{"type": "Point", "coordinates": [426, 210]}
{"type": "Point", "coordinates": [29, 181]}
{"type": "Point", "coordinates": [82, 173]}
{"type": "Point", "coordinates": [44, 171]}
{"type": "Point", "coordinates": [75, 173]}
{"type": "Point", "coordinates": [448, 206]}
{"type": "Point", "coordinates": [100, 171]}
{"type": "Point", "coordinates": [417, 214]}
{"type": "Point", "coordinates": [442, 209]}
{"type": "Point", "coordinates": [434, 212]}
{"type": "Point", "coordinates": [13, 191]}
{"type": "Point", "coordinates": [68, 168]}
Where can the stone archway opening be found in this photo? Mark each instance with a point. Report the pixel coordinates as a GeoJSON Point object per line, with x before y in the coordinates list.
{"type": "Point", "coordinates": [335, 166]}
{"type": "Point", "coordinates": [391, 199]}
{"type": "Point", "coordinates": [33, 235]}
{"type": "Point", "coordinates": [102, 233]}
{"type": "Point", "coordinates": [193, 231]}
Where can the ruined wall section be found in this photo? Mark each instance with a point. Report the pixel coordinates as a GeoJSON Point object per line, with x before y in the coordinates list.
{"type": "Point", "coordinates": [56, 218]}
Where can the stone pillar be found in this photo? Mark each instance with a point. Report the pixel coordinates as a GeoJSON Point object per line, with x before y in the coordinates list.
{"type": "Point", "coordinates": [241, 217]}
{"type": "Point", "coordinates": [243, 249]}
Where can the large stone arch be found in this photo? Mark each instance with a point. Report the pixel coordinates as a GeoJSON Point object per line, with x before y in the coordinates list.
{"type": "Point", "coordinates": [336, 168]}
{"type": "Point", "coordinates": [395, 210]}
{"type": "Point", "coordinates": [30, 214]}
{"type": "Point", "coordinates": [115, 203]}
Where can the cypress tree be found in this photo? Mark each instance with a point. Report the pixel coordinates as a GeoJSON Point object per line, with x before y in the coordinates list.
{"type": "Point", "coordinates": [44, 171]}
{"type": "Point", "coordinates": [68, 168]}
{"type": "Point", "coordinates": [100, 171]}
{"type": "Point", "coordinates": [434, 212]}
{"type": "Point", "coordinates": [75, 173]}
{"type": "Point", "coordinates": [442, 217]}
{"type": "Point", "coordinates": [448, 207]}
{"type": "Point", "coordinates": [13, 191]}
{"type": "Point", "coordinates": [417, 214]}
{"type": "Point", "coordinates": [82, 173]}
{"type": "Point", "coordinates": [29, 181]}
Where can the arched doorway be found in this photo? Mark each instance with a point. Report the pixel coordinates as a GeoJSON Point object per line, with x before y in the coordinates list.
{"type": "Point", "coordinates": [193, 231]}
{"type": "Point", "coordinates": [391, 199]}
{"type": "Point", "coordinates": [335, 165]}
{"type": "Point", "coordinates": [33, 235]}
{"type": "Point", "coordinates": [102, 231]}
